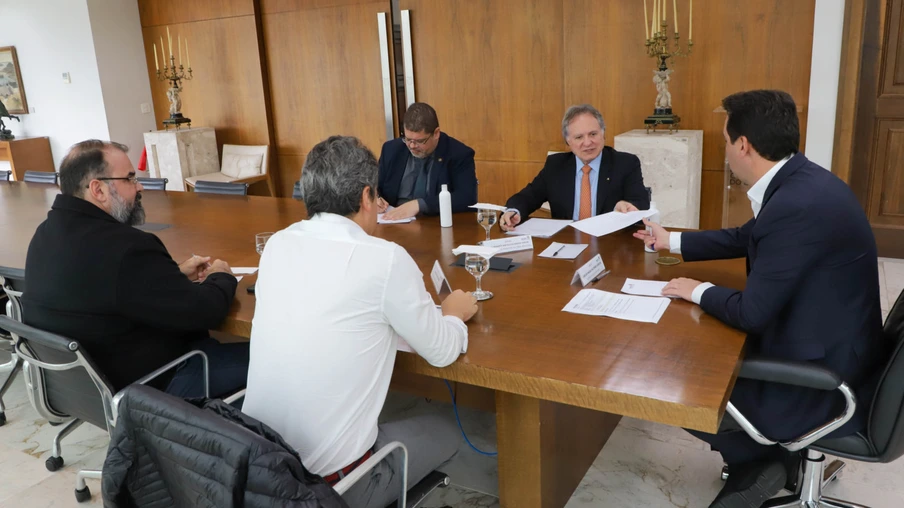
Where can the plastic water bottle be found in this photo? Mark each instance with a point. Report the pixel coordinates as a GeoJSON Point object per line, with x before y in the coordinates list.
{"type": "Point", "coordinates": [445, 208]}
{"type": "Point", "coordinates": [654, 218]}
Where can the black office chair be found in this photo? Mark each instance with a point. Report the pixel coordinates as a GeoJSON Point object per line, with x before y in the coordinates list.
{"type": "Point", "coordinates": [69, 385]}
{"type": "Point", "coordinates": [882, 441]}
{"type": "Point", "coordinates": [649, 193]}
{"type": "Point", "coordinates": [13, 282]}
{"type": "Point", "coordinates": [40, 177]}
{"type": "Point", "coordinates": [4, 175]}
{"type": "Point", "coordinates": [236, 189]}
{"type": "Point", "coordinates": [154, 183]}
{"type": "Point", "coordinates": [296, 191]}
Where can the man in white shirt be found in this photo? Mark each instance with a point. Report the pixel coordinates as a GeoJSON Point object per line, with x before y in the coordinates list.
{"type": "Point", "coordinates": [811, 295]}
{"type": "Point", "coordinates": [332, 304]}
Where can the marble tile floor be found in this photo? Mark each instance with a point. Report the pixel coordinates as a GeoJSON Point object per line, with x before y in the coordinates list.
{"type": "Point", "coordinates": [643, 465]}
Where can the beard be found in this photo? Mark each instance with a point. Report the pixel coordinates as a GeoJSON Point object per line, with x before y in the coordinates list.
{"type": "Point", "coordinates": [126, 213]}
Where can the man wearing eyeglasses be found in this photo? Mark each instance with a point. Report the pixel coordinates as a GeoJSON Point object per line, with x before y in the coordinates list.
{"type": "Point", "coordinates": [414, 168]}
{"type": "Point", "coordinates": [590, 180]}
{"type": "Point", "coordinates": [94, 278]}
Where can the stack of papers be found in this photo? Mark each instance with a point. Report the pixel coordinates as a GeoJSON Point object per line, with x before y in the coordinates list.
{"type": "Point", "coordinates": [558, 250]}
{"type": "Point", "coordinates": [381, 220]}
{"type": "Point", "coordinates": [644, 287]}
{"type": "Point", "coordinates": [594, 302]}
{"type": "Point", "coordinates": [541, 228]}
{"type": "Point", "coordinates": [611, 222]}
{"type": "Point", "coordinates": [480, 250]}
{"type": "Point", "coordinates": [488, 206]}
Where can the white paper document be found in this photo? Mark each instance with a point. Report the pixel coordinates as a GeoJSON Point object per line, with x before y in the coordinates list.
{"type": "Point", "coordinates": [486, 252]}
{"type": "Point", "coordinates": [238, 278]}
{"type": "Point", "coordinates": [594, 302]}
{"type": "Point", "coordinates": [591, 271]}
{"type": "Point", "coordinates": [381, 220]}
{"type": "Point", "coordinates": [510, 244]}
{"type": "Point", "coordinates": [244, 270]}
{"type": "Point", "coordinates": [488, 206]}
{"type": "Point", "coordinates": [610, 222]}
{"type": "Point", "coordinates": [644, 287]}
{"type": "Point", "coordinates": [542, 228]}
{"type": "Point", "coordinates": [558, 250]}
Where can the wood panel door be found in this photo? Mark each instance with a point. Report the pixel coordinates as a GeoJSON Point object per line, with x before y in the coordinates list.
{"type": "Point", "coordinates": [877, 175]}
{"type": "Point", "coordinates": [326, 70]}
{"type": "Point", "coordinates": [492, 69]}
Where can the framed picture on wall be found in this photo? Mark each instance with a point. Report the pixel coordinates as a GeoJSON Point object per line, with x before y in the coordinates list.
{"type": "Point", "coordinates": [11, 92]}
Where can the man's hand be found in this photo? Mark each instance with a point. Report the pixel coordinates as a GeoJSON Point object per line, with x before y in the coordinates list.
{"type": "Point", "coordinates": [681, 287]}
{"type": "Point", "coordinates": [194, 267]}
{"type": "Point", "coordinates": [409, 209]}
{"type": "Point", "coordinates": [509, 221]}
{"type": "Point", "coordinates": [460, 304]}
{"type": "Point", "coordinates": [382, 205]}
{"type": "Point", "coordinates": [625, 207]}
{"type": "Point", "coordinates": [218, 266]}
{"type": "Point", "coordinates": [657, 240]}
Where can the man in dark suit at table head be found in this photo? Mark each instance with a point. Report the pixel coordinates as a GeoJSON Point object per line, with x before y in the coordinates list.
{"type": "Point", "coordinates": [93, 277]}
{"type": "Point", "coordinates": [812, 292]}
{"type": "Point", "coordinates": [593, 179]}
{"type": "Point", "coordinates": [414, 168]}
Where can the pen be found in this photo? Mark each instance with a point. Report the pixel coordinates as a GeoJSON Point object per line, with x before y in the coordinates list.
{"type": "Point", "coordinates": [600, 276]}
{"type": "Point", "coordinates": [556, 253]}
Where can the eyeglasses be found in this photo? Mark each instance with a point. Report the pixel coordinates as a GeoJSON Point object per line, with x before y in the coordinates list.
{"type": "Point", "coordinates": [416, 142]}
{"type": "Point", "coordinates": [131, 178]}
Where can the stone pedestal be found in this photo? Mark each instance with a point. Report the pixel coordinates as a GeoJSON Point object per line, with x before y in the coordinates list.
{"type": "Point", "coordinates": [179, 154]}
{"type": "Point", "coordinates": [672, 165]}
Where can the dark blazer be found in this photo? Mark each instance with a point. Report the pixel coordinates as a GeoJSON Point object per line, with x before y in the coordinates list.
{"type": "Point", "coordinates": [453, 165]}
{"type": "Point", "coordinates": [116, 290]}
{"type": "Point", "coordinates": [812, 293]}
{"type": "Point", "coordinates": [620, 179]}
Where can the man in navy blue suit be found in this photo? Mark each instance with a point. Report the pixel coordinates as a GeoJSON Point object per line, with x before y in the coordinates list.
{"type": "Point", "coordinates": [414, 168]}
{"type": "Point", "coordinates": [812, 291]}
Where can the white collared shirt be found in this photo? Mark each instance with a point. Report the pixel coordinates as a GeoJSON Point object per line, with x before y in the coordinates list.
{"type": "Point", "coordinates": [756, 194]}
{"type": "Point", "coordinates": [332, 302]}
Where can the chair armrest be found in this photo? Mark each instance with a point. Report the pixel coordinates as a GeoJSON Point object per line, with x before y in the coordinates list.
{"type": "Point", "coordinates": [802, 374]}
{"type": "Point", "coordinates": [250, 179]}
{"type": "Point", "coordinates": [146, 379]}
{"type": "Point", "coordinates": [235, 396]}
{"type": "Point", "coordinates": [359, 472]}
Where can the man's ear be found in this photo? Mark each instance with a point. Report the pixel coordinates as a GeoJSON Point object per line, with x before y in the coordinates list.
{"type": "Point", "coordinates": [96, 190]}
{"type": "Point", "coordinates": [368, 199]}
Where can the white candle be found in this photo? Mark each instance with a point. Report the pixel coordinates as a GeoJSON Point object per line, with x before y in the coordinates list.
{"type": "Point", "coordinates": [675, 13]}
{"type": "Point", "coordinates": [156, 64]}
{"type": "Point", "coordinates": [187, 55]}
{"type": "Point", "coordinates": [655, 27]}
{"type": "Point", "coordinates": [646, 22]}
{"type": "Point", "coordinates": [664, 11]}
{"type": "Point", "coordinates": [170, 40]}
{"type": "Point", "coordinates": [690, 23]}
{"type": "Point", "coordinates": [180, 50]}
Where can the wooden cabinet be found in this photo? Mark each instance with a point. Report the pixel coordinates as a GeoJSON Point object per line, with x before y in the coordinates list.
{"type": "Point", "coordinates": [27, 154]}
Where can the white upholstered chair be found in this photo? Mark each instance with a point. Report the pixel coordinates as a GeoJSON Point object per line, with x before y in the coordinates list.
{"type": "Point", "coordinates": [241, 164]}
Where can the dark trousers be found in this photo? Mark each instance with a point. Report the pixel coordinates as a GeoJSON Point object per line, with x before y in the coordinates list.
{"type": "Point", "coordinates": [228, 370]}
{"type": "Point", "coordinates": [735, 445]}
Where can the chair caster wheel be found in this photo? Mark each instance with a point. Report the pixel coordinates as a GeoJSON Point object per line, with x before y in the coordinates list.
{"type": "Point", "coordinates": [53, 463]}
{"type": "Point", "coordinates": [83, 495]}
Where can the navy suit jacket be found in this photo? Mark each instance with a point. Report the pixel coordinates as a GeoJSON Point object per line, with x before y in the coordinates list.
{"type": "Point", "coordinates": [453, 165]}
{"type": "Point", "coordinates": [812, 294]}
{"type": "Point", "coordinates": [620, 179]}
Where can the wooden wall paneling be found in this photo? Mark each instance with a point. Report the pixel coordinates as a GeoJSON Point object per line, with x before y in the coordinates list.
{"type": "Point", "coordinates": [168, 12]}
{"type": "Point", "coordinates": [325, 74]}
{"type": "Point", "coordinates": [492, 69]}
{"type": "Point", "coordinates": [712, 186]}
{"type": "Point", "coordinates": [289, 172]}
{"type": "Point", "coordinates": [846, 116]}
{"type": "Point", "coordinates": [887, 190]}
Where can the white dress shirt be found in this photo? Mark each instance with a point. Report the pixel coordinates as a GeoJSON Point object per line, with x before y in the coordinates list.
{"type": "Point", "coordinates": [756, 195]}
{"type": "Point", "coordinates": [332, 302]}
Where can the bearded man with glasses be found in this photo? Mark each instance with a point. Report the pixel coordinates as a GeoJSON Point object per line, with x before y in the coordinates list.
{"type": "Point", "coordinates": [93, 277]}
{"type": "Point", "coordinates": [414, 167]}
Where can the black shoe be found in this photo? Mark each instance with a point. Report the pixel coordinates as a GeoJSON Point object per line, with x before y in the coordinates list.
{"type": "Point", "coordinates": [751, 485]}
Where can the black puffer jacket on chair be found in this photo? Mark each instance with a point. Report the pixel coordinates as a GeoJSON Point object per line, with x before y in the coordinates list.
{"type": "Point", "coordinates": [169, 452]}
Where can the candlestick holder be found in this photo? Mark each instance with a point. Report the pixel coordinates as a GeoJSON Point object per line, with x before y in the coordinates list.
{"type": "Point", "coordinates": [663, 48]}
{"type": "Point", "coordinates": [175, 76]}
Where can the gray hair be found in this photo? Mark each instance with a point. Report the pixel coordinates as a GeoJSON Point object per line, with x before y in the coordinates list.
{"type": "Point", "coordinates": [581, 109]}
{"type": "Point", "coordinates": [335, 174]}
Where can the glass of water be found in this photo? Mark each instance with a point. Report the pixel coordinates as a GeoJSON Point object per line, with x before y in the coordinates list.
{"type": "Point", "coordinates": [487, 219]}
{"type": "Point", "coordinates": [478, 265]}
{"type": "Point", "coordinates": [260, 241]}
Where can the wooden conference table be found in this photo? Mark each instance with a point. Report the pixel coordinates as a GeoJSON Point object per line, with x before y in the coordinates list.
{"type": "Point", "coordinates": [558, 382]}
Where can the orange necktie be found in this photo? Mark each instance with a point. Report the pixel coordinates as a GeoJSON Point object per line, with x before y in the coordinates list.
{"type": "Point", "coordinates": [585, 212]}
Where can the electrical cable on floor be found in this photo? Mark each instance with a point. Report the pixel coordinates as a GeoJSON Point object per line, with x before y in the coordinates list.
{"type": "Point", "coordinates": [457, 419]}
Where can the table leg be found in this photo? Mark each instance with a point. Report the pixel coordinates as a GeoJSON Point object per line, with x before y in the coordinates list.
{"type": "Point", "coordinates": [545, 449]}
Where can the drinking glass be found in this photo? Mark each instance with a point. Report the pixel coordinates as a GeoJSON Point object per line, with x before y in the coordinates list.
{"type": "Point", "coordinates": [478, 265]}
{"type": "Point", "coordinates": [486, 218]}
{"type": "Point", "coordinates": [260, 241]}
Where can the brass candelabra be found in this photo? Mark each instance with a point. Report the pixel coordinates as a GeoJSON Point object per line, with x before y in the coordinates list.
{"type": "Point", "coordinates": [175, 75]}
{"type": "Point", "coordinates": [662, 46]}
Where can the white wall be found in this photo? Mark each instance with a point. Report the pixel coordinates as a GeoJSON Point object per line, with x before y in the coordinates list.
{"type": "Point", "coordinates": [116, 29]}
{"type": "Point", "coordinates": [52, 37]}
{"type": "Point", "coordinates": [825, 67]}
